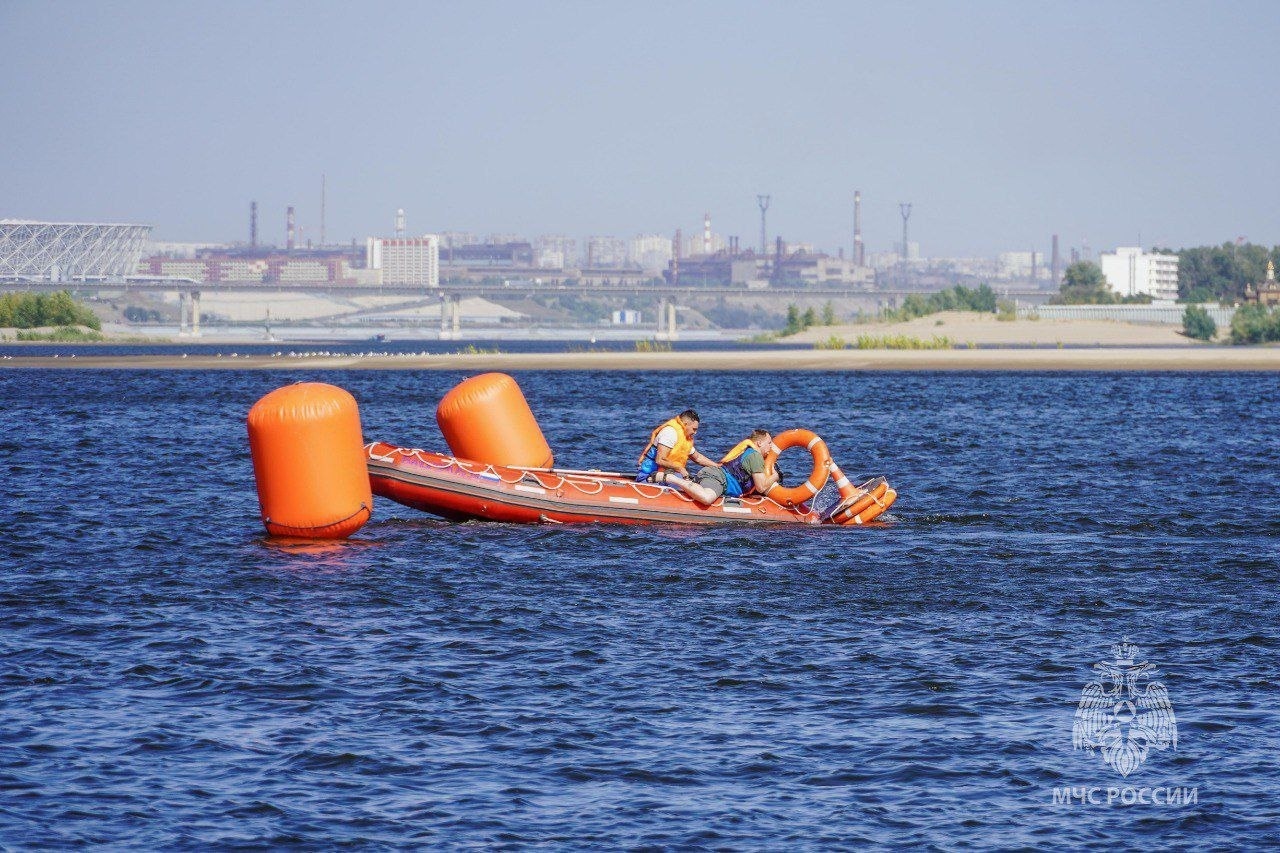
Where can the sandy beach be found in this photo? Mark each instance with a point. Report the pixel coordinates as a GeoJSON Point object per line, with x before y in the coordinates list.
{"type": "Point", "coordinates": [967, 327]}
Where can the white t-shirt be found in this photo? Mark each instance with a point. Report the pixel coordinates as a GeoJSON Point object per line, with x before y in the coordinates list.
{"type": "Point", "coordinates": [667, 437]}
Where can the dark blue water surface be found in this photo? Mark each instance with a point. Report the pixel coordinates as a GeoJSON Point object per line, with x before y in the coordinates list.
{"type": "Point", "coordinates": [169, 678]}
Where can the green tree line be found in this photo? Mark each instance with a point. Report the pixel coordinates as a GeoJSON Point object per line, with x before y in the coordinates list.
{"type": "Point", "coordinates": [1220, 273]}
{"type": "Point", "coordinates": [29, 310]}
{"type": "Point", "coordinates": [798, 322]}
{"type": "Point", "coordinates": [1255, 324]}
{"type": "Point", "coordinates": [1084, 284]}
{"type": "Point", "coordinates": [959, 298]}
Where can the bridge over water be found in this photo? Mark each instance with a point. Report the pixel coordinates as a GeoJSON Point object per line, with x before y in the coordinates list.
{"type": "Point", "coordinates": [451, 295]}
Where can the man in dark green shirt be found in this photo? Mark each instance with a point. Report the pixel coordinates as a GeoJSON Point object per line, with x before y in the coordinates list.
{"type": "Point", "coordinates": [742, 472]}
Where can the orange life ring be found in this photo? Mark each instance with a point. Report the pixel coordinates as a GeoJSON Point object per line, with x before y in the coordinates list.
{"type": "Point", "coordinates": [870, 500]}
{"type": "Point", "coordinates": [809, 440]}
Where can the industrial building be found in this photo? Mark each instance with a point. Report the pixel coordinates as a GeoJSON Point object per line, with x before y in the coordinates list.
{"type": "Point", "coordinates": [266, 265]}
{"type": "Point", "coordinates": [798, 269]}
{"type": "Point", "coordinates": [516, 253]}
{"type": "Point", "coordinates": [1130, 271]}
{"type": "Point", "coordinates": [66, 251]}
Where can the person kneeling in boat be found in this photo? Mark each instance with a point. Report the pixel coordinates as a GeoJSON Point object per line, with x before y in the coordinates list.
{"type": "Point", "coordinates": [741, 472]}
{"type": "Point", "coordinates": [670, 449]}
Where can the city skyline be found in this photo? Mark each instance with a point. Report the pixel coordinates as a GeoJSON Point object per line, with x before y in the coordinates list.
{"type": "Point", "coordinates": [1002, 124]}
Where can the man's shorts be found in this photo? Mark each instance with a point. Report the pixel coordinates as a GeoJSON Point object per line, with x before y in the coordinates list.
{"type": "Point", "coordinates": [714, 479]}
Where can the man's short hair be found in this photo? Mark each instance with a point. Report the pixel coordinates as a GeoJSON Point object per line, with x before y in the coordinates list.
{"type": "Point", "coordinates": [757, 434]}
{"type": "Point", "coordinates": [690, 415]}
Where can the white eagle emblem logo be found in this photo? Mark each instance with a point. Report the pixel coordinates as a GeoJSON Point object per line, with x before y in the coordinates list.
{"type": "Point", "coordinates": [1125, 714]}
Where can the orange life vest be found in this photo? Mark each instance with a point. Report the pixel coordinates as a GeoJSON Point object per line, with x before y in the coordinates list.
{"type": "Point", "coordinates": [738, 450]}
{"type": "Point", "coordinates": [676, 456]}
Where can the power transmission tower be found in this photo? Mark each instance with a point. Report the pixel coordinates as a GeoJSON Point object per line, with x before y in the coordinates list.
{"type": "Point", "coordinates": [905, 209]}
{"type": "Point", "coordinates": [763, 201]}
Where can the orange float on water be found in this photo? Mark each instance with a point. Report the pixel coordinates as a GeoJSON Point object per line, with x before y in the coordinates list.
{"type": "Point", "coordinates": [866, 503]}
{"type": "Point", "coordinates": [487, 419]}
{"type": "Point", "coordinates": [316, 479]}
{"type": "Point", "coordinates": [309, 462]}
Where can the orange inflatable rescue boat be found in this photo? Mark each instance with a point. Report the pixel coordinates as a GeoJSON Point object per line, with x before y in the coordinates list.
{"type": "Point", "coordinates": [500, 468]}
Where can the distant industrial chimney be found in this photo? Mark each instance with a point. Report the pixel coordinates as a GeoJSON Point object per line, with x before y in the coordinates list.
{"type": "Point", "coordinates": [290, 229]}
{"type": "Point", "coordinates": [676, 245]}
{"type": "Point", "coordinates": [1056, 262]}
{"type": "Point", "coordinates": [400, 224]}
{"type": "Point", "coordinates": [859, 254]}
{"type": "Point", "coordinates": [253, 225]}
{"type": "Point", "coordinates": [763, 202]}
{"type": "Point", "coordinates": [706, 233]}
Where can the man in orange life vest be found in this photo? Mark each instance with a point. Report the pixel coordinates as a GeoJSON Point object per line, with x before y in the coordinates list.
{"type": "Point", "coordinates": [670, 448]}
{"type": "Point", "coordinates": [741, 472]}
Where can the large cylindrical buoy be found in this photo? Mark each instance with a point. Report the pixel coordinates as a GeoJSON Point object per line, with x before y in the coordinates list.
{"type": "Point", "coordinates": [487, 419]}
{"type": "Point", "coordinates": [309, 462]}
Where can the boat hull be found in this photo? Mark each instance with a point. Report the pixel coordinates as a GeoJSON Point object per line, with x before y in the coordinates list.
{"type": "Point", "coordinates": [460, 489]}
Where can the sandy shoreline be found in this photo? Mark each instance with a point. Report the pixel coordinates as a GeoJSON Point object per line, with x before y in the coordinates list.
{"type": "Point", "coordinates": [1192, 358]}
{"type": "Point", "coordinates": [968, 327]}
{"type": "Point", "coordinates": [1023, 345]}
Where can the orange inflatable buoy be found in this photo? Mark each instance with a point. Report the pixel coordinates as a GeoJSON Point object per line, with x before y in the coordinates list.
{"type": "Point", "coordinates": [309, 462]}
{"type": "Point", "coordinates": [807, 439]}
{"type": "Point", "coordinates": [487, 419]}
{"type": "Point", "coordinates": [869, 500]}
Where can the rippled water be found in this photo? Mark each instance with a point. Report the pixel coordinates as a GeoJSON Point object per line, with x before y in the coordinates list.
{"type": "Point", "coordinates": [168, 678]}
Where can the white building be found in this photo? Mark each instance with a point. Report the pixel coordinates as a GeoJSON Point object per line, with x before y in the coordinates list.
{"type": "Point", "coordinates": [410, 260]}
{"type": "Point", "coordinates": [555, 252]}
{"type": "Point", "coordinates": [1014, 265]}
{"type": "Point", "coordinates": [1130, 271]}
{"type": "Point", "coordinates": [650, 252]}
{"type": "Point", "coordinates": [605, 252]}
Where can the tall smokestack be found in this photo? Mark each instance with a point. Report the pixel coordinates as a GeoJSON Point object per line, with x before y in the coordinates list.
{"type": "Point", "coordinates": [706, 233]}
{"type": "Point", "coordinates": [253, 225]}
{"type": "Point", "coordinates": [1057, 261]}
{"type": "Point", "coordinates": [1033, 266]}
{"type": "Point", "coordinates": [289, 229]}
{"type": "Point", "coordinates": [400, 223]}
{"type": "Point", "coordinates": [763, 202]}
{"type": "Point", "coordinates": [675, 256]}
{"type": "Point", "coordinates": [859, 253]}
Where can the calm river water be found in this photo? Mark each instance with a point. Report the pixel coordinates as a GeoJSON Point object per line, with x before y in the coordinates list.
{"type": "Point", "coordinates": [169, 678]}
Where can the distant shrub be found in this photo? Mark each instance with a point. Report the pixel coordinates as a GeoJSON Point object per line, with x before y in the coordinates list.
{"type": "Point", "coordinates": [1255, 324]}
{"type": "Point", "coordinates": [472, 349]}
{"type": "Point", "coordinates": [64, 335]}
{"type": "Point", "coordinates": [833, 342]}
{"type": "Point", "coordinates": [653, 346]}
{"type": "Point", "coordinates": [958, 298]}
{"type": "Point", "coordinates": [31, 310]}
{"type": "Point", "coordinates": [1006, 311]}
{"type": "Point", "coordinates": [1196, 323]}
{"type": "Point", "coordinates": [901, 342]}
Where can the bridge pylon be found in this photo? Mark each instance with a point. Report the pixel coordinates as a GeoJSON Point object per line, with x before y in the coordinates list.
{"type": "Point", "coordinates": [666, 319]}
{"type": "Point", "coordinates": [450, 317]}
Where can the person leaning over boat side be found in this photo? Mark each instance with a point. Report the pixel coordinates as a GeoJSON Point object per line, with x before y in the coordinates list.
{"type": "Point", "coordinates": [741, 472]}
{"type": "Point", "coordinates": [670, 448]}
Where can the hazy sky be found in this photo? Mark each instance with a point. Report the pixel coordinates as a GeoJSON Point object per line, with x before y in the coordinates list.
{"type": "Point", "coordinates": [1002, 122]}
